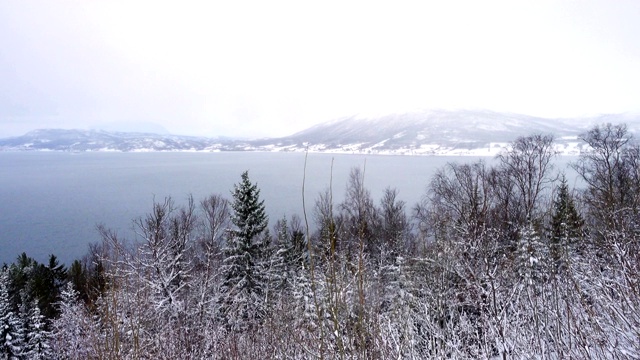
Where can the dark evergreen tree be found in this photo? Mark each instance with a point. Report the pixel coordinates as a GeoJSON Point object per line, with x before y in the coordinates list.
{"type": "Point", "coordinates": [31, 280]}
{"type": "Point", "coordinates": [22, 278]}
{"type": "Point", "coordinates": [96, 279]}
{"type": "Point", "coordinates": [248, 210]}
{"type": "Point", "coordinates": [53, 278]}
{"type": "Point", "coordinates": [242, 291]}
{"type": "Point", "coordinates": [291, 243]}
{"type": "Point", "coordinates": [566, 227]}
{"type": "Point", "coordinates": [77, 275]}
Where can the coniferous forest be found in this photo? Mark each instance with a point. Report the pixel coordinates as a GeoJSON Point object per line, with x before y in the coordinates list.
{"type": "Point", "coordinates": [495, 261]}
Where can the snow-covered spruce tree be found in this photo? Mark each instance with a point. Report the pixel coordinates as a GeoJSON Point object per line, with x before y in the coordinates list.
{"type": "Point", "coordinates": [73, 332]}
{"type": "Point", "coordinates": [11, 330]}
{"type": "Point", "coordinates": [528, 311]}
{"type": "Point", "coordinates": [530, 256]}
{"type": "Point", "coordinates": [37, 336]}
{"type": "Point", "coordinates": [5, 308]}
{"type": "Point", "coordinates": [242, 291]}
{"type": "Point", "coordinates": [13, 341]}
{"type": "Point", "coordinates": [289, 254]}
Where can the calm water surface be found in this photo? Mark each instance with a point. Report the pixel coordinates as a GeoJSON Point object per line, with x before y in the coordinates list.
{"type": "Point", "coordinates": [51, 202]}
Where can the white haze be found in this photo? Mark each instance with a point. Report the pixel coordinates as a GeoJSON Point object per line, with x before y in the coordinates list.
{"type": "Point", "coordinates": [254, 68]}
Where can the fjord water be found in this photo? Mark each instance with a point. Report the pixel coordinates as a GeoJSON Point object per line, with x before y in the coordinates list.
{"type": "Point", "coordinates": [51, 202]}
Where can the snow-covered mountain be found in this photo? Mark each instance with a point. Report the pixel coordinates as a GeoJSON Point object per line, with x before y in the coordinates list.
{"type": "Point", "coordinates": [435, 132]}
{"type": "Point", "coordinates": [440, 132]}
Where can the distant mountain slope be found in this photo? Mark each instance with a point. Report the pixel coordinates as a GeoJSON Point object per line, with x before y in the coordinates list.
{"type": "Point", "coordinates": [417, 133]}
{"type": "Point", "coordinates": [433, 127]}
{"type": "Point", "coordinates": [99, 140]}
{"type": "Point", "coordinates": [443, 132]}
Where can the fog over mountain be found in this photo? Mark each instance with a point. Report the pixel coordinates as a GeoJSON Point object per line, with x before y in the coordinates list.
{"type": "Point", "coordinates": [435, 132]}
{"type": "Point", "coordinates": [133, 127]}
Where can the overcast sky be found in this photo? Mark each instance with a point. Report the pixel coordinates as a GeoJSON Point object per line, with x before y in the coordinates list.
{"type": "Point", "coordinates": [271, 68]}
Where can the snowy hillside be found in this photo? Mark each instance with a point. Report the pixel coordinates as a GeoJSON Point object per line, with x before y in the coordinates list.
{"type": "Point", "coordinates": [441, 132]}
{"type": "Point", "coordinates": [437, 132]}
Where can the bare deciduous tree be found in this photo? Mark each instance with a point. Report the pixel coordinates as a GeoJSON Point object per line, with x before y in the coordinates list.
{"type": "Point", "coordinates": [360, 215]}
{"type": "Point", "coordinates": [528, 163]}
{"type": "Point", "coordinates": [610, 169]}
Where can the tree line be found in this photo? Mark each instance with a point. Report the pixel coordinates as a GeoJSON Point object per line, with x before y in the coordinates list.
{"type": "Point", "coordinates": [496, 260]}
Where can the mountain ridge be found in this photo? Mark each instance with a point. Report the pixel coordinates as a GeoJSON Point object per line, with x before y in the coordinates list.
{"type": "Point", "coordinates": [432, 132]}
